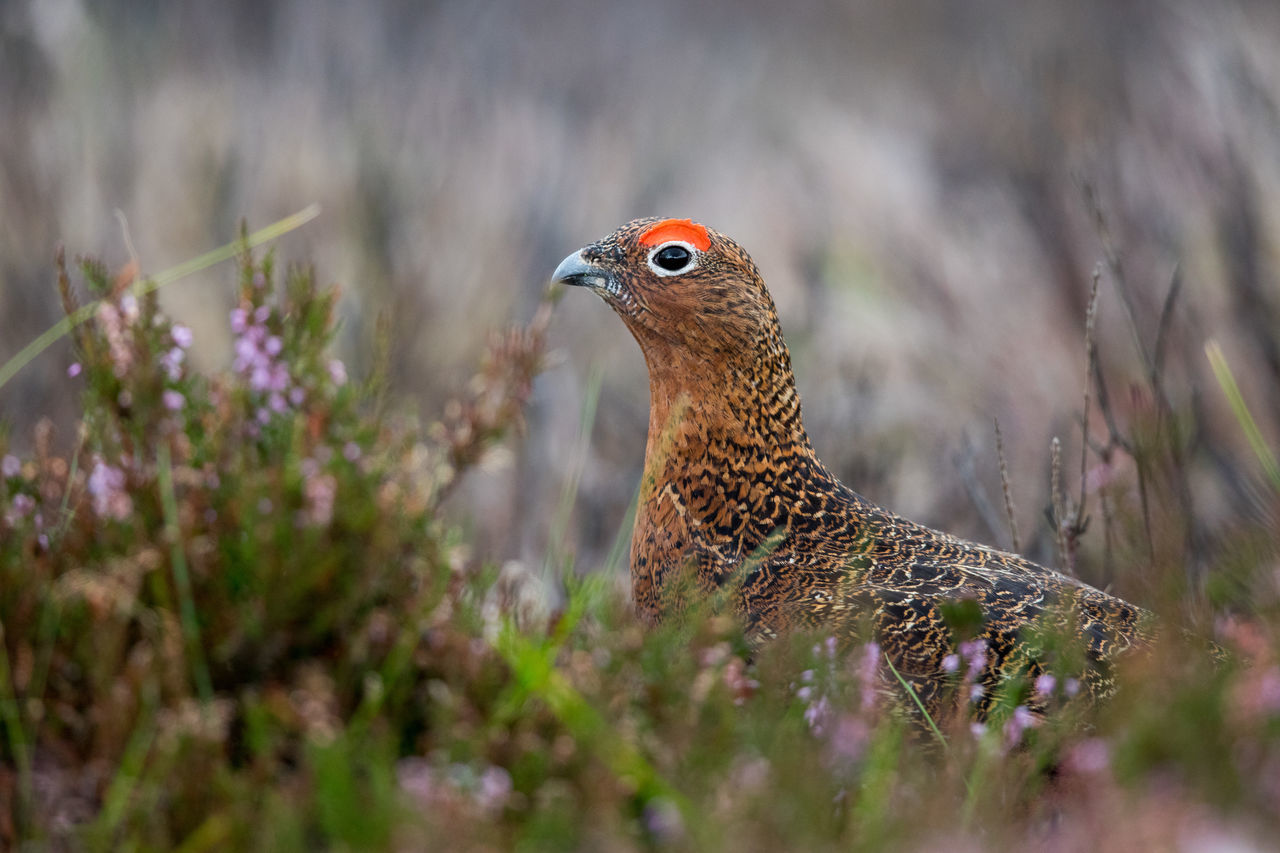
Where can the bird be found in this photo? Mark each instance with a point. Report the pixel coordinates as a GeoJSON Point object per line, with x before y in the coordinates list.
{"type": "Point", "coordinates": [734, 501]}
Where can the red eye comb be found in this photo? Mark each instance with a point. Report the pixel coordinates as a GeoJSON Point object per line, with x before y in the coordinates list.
{"type": "Point", "coordinates": [684, 230]}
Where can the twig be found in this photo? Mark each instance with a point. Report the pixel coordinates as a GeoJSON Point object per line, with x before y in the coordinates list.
{"type": "Point", "coordinates": [1008, 492]}
{"type": "Point", "coordinates": [1090, 356]}
{"type": "Point", "coordinates": [1166, 317]}
{"type": "Point", "coordinates": [1058, 500]}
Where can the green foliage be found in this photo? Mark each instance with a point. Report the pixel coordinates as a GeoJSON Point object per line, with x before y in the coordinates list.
{"type": "Point", "coordinates": [233, 619]}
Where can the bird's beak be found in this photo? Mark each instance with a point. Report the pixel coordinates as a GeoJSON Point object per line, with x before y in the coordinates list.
{"type": "Point", "coordinates": [574, 270]}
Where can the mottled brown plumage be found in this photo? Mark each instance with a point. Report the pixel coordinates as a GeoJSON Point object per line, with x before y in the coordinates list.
{"type": "Point", "coordinates": [733, 492]}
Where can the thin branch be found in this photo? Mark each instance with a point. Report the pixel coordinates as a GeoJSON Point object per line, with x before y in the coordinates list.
{"type": "Point", "coordinates": [1008, 492]}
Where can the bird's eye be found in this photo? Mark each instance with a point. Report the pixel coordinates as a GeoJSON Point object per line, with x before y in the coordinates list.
{"type": "Point", "coordinates": [671, 258]}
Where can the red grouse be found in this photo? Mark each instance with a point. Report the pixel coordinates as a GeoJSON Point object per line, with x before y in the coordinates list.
{"type": "Point", "coordinates": [733, 495]}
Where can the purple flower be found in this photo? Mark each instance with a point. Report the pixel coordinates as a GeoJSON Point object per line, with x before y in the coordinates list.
{"type": "Point", "coordinates": [297, 395]}
{"type": "Point", "coordinates": [493, 789]}
{"type": "Point", "coordinates": [261, 314]}
{"type": "Point", "coordinates": [850, 738]}
{"type": "Point", "coordinates": [181, 335]}
{"type": "Point", "coordinates": [260, 377]}
{"type": "Point", "coordinates": [23, 504]}
{"type": "Point", "coordinates": [1089, 756]}
{"type": "Point", "coordinates": [1045, 685]}
{"type": "Point", "coordinates": [106, 487]}
{"type": "Point", "coordinates": [10, 467]}
{"type": "Point", "coordinates": [173, 400]}
{"type": "Point", "coordinates": [273, 345]}
{"type": "Point", "coordinates": [951, 663]}
{"type": "Point", "coordinates": [73, 369]}
{"type": "Point", "coordinates": [975, 652]}
{"type": "Point", "coordinates": [171, 361]}
{"type": "Point", "coordinates": [817, 714]}
{"type": "Point", "coordinates": [239, 320]}
{"type": "Point", "coordinates": [868, 673]}
{"type": "Point", "coordinates": [351, 451]}
{"type": "Point", "coordinates": [279, 379]}
{"type": "Point", "coordinates": [338, 372]}
{"type": "Point", "coordinates": [1016, 725]}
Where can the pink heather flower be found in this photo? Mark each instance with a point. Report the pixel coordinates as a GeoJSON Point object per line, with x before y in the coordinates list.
{"type": "Point", "coordinates": [1268, 689]}
{"type": "Point", "coordinates": [867, 674]}
{"type": "Point", "coordinates": [297, 395]}
{"type": "Point", "coordinates": [1045, 685]}
{"type": "Point", "coordinates": [181, 335]}
{"type": "Point", "coordinates": [239, 320]}
{"type": "Point", "coordinates": [850, 737]}
{"type": "Point", "coordinates": [1071, 687]}
{"type": "Point", "coordinates": [338, 372]}
{"type": "Point", "coordinates": [975, 652]}
{"type": "Point", "coordinates": [276, 402]}
{"type": "Point", "coordinates": [173, 400]}
{"type": "Point", "coordinates": [129, 307]}
{"type": "Point", "coordinates": [1017, 725]}
{"type": "Point", "coordinates": [273, 345]}
{"type": "Point", "coordinates": [23, 504]}
{"type": "Point", "coordinates": [977, 730]}
{"type": "Point", "coordinates": [351, 451]}
{"type": "Point", "coordinates": [260, 378]}
{"type": "Point", "coordinates": [261, 314]}
{"type": "Point", "coordinates": [106, 487]}
{"type": "Point", "coordinates": [416, 777]}
{"type": "Point", "coordinates": [951, 663]}
{"type": "Point", "coordinates": [259, 280]}
{"type": "Point", "coordinates": [493, 789]}
{"type": "Point", "coordinates": [279, 379]}
{"type": "Point", "coordinates": [246, 354]}
{"type": "Point", "coordinates": [10, 466]}
{"type": "Point", "coordinates": [73, 369]}
{"type": "Point", "coordinates": [1089, 756]}
{"type": "Point", "coordinates": [817, 715]}
{"type": "Point", "coordinates": [171, 361]}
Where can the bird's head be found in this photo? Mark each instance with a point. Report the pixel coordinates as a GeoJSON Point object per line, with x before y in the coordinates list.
{"type": "Point", "coordinates": [691, 296]}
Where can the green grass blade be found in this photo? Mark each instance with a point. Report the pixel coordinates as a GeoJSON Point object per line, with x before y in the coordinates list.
{"type": "Point", "coordinates": [911, 691]}
{"type": "Point", "coordinates": [1227, 381]}
{"type": "Point", "coordinates": [181, 579]}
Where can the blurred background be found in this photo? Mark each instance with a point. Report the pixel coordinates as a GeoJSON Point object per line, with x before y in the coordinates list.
{"type": "Point", "coordinates": [928, 188]}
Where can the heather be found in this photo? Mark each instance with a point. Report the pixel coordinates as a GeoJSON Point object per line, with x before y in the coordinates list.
{"type": "Point", "coordinates": [235, 616]}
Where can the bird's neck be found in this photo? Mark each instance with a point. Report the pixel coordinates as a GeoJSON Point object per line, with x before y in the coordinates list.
{"type": "Point", "coordinates": [734, 419]}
